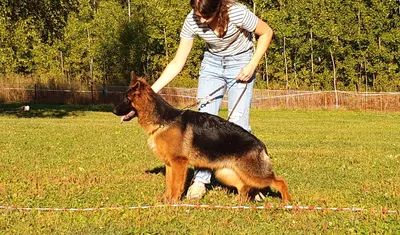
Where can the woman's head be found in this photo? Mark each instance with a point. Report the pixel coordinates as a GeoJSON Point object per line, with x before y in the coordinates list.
{"type": "Point", "coordinates": [208, 10]}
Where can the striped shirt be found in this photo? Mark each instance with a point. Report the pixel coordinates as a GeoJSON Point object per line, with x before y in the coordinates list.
{"type": "Point", "coordinates": [237, 39]}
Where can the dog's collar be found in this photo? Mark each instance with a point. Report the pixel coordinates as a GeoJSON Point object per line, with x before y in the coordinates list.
{"type": "Point", "coordinates": [158, 128]}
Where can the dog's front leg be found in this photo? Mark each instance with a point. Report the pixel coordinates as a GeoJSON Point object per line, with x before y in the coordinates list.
{"type": "Point", "coordinates": [178, 170]}
{"type": "Point", "coordinates": [168, 182]}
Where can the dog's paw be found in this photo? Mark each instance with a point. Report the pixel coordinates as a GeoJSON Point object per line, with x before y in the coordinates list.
{"type": "Point", "coordinates": [162, 198]}
{"type": "Point", "coordinates": [242, 198]}
{"type": "Point", "coordinates": [168, 198]}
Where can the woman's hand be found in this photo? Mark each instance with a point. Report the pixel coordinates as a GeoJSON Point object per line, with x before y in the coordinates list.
{"type": "Point", "coordinates": [246, 73]}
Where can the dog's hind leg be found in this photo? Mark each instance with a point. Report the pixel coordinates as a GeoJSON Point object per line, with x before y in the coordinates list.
{"type": "Point", "coordinates": [244, 193]}
{"type": "Point", "coordinates": [229, 177]}
{"type": "Point", "coordinates": [179, 167]}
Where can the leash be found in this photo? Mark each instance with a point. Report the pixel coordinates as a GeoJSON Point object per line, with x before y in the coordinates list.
{"type": "Point", "coordinates": [237, 102]}
{"type": "Point", "coordinates": [209, 99]}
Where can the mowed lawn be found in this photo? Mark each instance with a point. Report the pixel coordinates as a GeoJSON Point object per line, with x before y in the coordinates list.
{"type": "Point", "coordinates": [81, 157]}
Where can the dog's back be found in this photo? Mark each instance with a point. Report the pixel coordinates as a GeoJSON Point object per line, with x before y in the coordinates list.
{"type": "Point", "coordinates": [218, 137]}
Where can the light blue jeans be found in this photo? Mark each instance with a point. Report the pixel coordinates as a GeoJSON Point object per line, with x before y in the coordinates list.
{"type": "Point", "coordinates": [216, 71]}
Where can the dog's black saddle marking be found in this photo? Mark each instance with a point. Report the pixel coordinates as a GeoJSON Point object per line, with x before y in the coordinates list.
{"type": "Point", "coordinates": [217, 137]}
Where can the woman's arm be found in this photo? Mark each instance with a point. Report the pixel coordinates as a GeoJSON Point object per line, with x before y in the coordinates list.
{"type": "Point", "coordinates": [265, 33]}
{"type": "Point", "coordinates": [175, 66]}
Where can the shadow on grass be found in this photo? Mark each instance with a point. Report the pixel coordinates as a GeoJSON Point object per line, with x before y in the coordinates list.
{"type": "Point", "coordinates": [50, 111]}
{"type": "Point", "coordinates": [215, 183]}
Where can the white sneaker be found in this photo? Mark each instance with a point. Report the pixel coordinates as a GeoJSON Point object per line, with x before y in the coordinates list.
{"type": "Point", "coordinates": [196, 191]}
{"type": "Point", "coordinates": [260, 197]}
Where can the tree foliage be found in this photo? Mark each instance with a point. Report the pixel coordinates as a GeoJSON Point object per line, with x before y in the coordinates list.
{"type": "Point", "coordinates": [100, 41]}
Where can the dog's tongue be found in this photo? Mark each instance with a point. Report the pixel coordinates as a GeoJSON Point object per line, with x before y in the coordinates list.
{"type": "Point", "coordinates": [127, 117]}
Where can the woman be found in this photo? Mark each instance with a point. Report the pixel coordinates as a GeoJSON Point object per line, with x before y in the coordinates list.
{"type": "Point", "coordinates": [229, 59]}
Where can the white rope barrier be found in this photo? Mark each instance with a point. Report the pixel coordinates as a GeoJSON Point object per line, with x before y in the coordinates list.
{"type": "Point", "coordinates": [205, 206]}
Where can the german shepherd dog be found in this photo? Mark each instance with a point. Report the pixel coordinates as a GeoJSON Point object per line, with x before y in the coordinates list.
{"type": "Point", "coordinates": [184, 137]}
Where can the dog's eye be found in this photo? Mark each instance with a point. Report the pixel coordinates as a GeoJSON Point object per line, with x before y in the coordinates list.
{"type": "Point", "coordinates": [127, 100]}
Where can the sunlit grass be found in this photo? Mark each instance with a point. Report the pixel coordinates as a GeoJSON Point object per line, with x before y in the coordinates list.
{"type": "Point", "coordinates": [79, 157]}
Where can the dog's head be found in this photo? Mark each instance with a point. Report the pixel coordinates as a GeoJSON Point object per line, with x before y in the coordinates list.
{"type": "Point", "coordinates": [126, 108]}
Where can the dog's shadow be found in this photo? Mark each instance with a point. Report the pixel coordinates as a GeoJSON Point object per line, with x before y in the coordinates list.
{"type": "Point", "coordinates": [215, 183]}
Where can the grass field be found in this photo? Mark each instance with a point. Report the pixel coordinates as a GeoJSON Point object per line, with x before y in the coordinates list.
{"type": "Point", "coordinates": [81, 157]}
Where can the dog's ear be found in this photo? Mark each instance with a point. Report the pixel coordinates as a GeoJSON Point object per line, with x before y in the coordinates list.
{"type": "Point", "coordinates": [134, 88]}
{"type": "Point", "coordinates": [134, 85]}
{"type": "Point", "coordinates": [134, 78]}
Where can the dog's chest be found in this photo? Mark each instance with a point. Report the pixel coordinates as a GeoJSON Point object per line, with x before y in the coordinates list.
{"type": "Point", "coordinates": [151, 143]}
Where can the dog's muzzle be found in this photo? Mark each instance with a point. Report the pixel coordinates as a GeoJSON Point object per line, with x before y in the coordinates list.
{"type": "Point", "coordinates": [125, 110]}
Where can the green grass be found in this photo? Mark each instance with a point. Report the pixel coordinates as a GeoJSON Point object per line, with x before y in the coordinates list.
{"type": "Point", "coordinates": [81, 157]}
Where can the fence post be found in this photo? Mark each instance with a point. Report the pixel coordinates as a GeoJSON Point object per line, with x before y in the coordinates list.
{"type": "Point", "coordinates": [35, 97]}
{"type": "Point", "coordinates": [91, 78]}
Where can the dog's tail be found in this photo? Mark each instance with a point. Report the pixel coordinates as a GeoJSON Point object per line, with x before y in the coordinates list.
{"type": "Point", "coordinates": [280, 184]}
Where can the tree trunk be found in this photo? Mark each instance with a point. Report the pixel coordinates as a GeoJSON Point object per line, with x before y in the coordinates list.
{"type": "Point", "coordinates": [286, 67]}
{"type": "Point", "coordinates": [266, 68]}
{"type": "Point", "coordinates": [334, 78]}
{"type": "Point", "coordinates": [312, 55]}
{"type": "Point", "coordinates": [129, 10]}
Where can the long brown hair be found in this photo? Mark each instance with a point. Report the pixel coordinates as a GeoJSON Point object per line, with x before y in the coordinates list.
{"type": "Point", "coordinates": [217, 8]}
